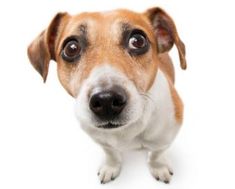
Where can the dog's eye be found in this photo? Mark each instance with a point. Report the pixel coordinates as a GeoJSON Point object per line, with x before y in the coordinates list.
{"type": "Point", "coordinates": [137, 41]}
{"type": "Point", "coordinates": [71, 51]}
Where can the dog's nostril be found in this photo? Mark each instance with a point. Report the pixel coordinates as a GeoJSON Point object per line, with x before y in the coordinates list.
{"type": "Point", "coordinates": [118, 102]}
{"type": "Point", "coordinates": [108, 104]}
{"type": "Point", "coordinates": [96, 104]}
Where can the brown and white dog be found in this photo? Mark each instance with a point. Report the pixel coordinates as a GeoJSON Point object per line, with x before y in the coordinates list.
{"type": "Point", "coordinates": [116, 66]}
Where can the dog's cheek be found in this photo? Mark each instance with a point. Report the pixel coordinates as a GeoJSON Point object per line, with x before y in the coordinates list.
{"type": "Point", "coordinates": [135, 104]}
{"type": "Point", "coordinates": [143, 71]}
{"type": "Point", "coordinates": [67, 78]}
{"type": "Point", "coordinates": [149, 69]}
{"type": "Point", "coordinates": [144, 79]}
{"type": "Point", "coordinates": [82, 111]}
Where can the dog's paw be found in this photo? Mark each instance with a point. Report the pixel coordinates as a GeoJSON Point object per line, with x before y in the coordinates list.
{"type": "Point", "coordinates": [108, 173]}
{"type": "Point", "coordinates": [161, 172]}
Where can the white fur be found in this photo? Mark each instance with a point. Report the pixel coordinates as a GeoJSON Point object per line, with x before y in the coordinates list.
{"type": "Point", "coordinates": [150, 122]}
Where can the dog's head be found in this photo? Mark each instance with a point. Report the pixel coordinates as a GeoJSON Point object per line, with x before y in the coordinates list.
{"type": "Point", "coordinates": [107, 61]}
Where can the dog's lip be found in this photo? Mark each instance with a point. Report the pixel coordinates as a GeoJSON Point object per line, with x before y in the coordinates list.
{"type": "Point", "coordinates": [110, 125]}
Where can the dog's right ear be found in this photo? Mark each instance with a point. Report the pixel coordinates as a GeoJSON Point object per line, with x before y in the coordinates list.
{"type": "Point", "coordinates": [42, 49]}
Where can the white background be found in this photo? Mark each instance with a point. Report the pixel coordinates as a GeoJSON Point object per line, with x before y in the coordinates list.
{"type": "Point", "coordinates": [41, 143]}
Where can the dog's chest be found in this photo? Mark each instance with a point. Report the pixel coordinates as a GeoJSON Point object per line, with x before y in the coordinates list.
{"type": "Point", "coordinates": [154, 137]}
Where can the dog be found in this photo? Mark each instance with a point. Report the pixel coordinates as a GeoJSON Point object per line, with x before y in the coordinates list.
{"type": "Point", "coordinates": [117, 67]}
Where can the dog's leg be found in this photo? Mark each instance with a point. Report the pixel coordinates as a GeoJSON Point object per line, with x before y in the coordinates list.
{"type": "Point", "coordinates": [110, 169]}
{"type": "Point", "coordinates": [159, 166]}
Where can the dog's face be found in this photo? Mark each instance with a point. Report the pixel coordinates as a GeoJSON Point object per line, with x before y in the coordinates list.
{"type": "Point", "coordinates": [107, 61]}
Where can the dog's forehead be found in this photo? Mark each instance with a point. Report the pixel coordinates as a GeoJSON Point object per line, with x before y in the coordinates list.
{"type": "Point", "coordinates": [108, 22]}
{"type": "Point", "coordinates": [110, 17]}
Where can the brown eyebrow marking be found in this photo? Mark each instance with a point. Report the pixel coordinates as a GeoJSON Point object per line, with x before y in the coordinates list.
{"type": "Point", "coordinates": [125, 26]}
{"type": "Point", "coordinates": [84, 34]}
{"type": "Point", "coordinates": [125, 30]}
{"type": "Point", "coordinates": [83, 29]}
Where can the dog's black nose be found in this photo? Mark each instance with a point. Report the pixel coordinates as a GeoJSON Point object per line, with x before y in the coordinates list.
{"type": "Point", "coordinates": [109, 103]}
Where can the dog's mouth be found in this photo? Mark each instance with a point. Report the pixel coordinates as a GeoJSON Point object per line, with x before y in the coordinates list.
{"type": "Point", "coordinates": [110, 126]}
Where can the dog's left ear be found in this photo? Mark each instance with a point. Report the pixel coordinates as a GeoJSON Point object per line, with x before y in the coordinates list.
{"type": "Point", "coordinates": [165, 33]}
{"type": "Point", "coordinates": [42, 49]}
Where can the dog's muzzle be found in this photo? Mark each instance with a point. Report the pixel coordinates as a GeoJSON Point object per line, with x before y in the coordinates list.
{"type": "Point", "coordinates": [108, 104]}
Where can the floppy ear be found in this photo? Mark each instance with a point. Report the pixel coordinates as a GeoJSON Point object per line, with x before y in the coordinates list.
{"type": "Point", "coordinates": [165, 33]}
{"type": "Point", "coordinates": [42, 49]}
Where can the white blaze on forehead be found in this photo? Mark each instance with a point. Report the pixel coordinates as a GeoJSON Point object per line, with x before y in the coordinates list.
{"type": "Point", "coordinates": [112, 13]}
{"type": "Point", "coordinates": [92, 27]}
{"type": "Point", "coordinates": [116, 30]}
{"type": "Point", "coordinates": [115, 27]}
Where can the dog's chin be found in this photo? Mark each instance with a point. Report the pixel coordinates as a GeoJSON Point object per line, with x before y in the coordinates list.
{"type": "Point", "coordinates": [110, 125]}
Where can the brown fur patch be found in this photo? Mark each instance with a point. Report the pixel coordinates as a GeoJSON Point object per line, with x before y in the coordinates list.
{"type": "Point", "coordinates": [178, 104]}
{"type": "Point", "coordinates": [166, 66]}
